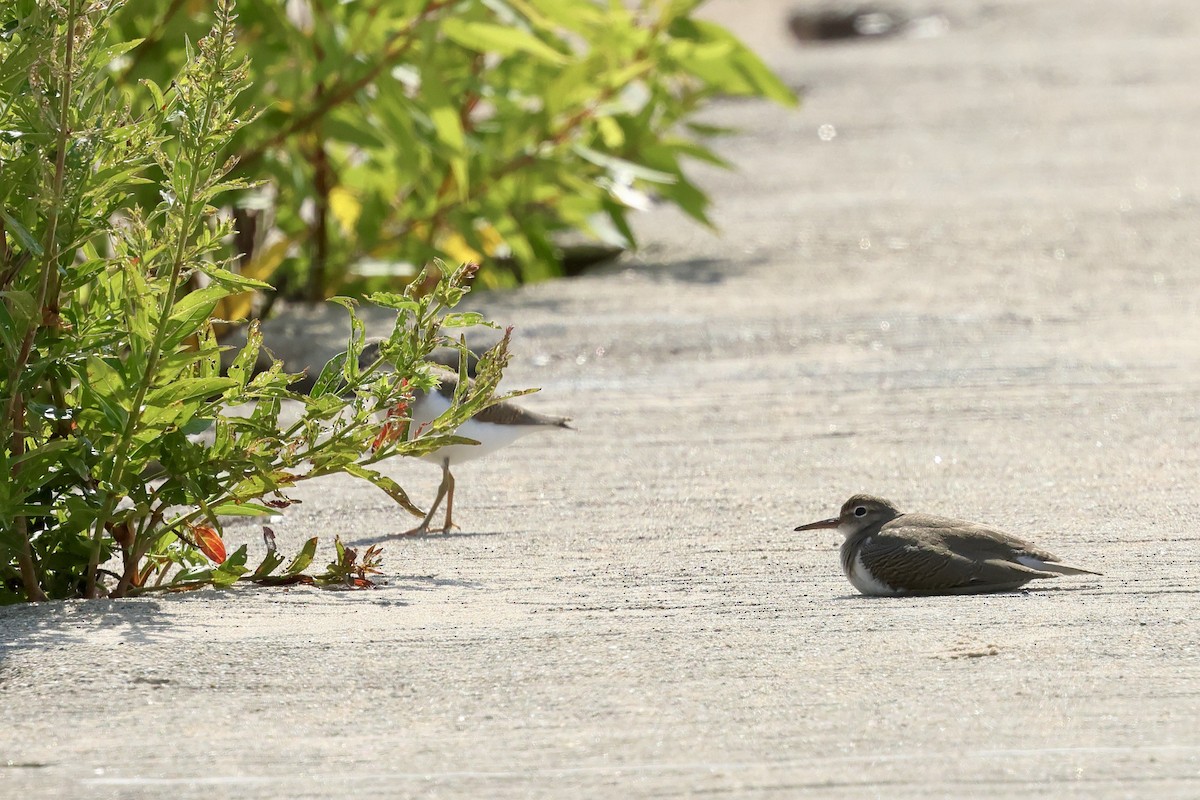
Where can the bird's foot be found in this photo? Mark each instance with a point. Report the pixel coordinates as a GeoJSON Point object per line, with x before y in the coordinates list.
{"type": "Point", "coordinates": [420, 530]}
{"type": "Point", "coordinates": [424, 528]}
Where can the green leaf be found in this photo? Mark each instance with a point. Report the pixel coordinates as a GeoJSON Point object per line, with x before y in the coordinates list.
{"type": "Point", "coordinates": [112, 179]}
{"type": "Point", "coordinates": [160, 102]}
{"type": "Point", "coordinates": [270, 563]}
{"type": "Point", "coordinates": [690, 199]}
{"type": "Point", "coordinates": [230, 570]}
{"type": "Point", "coordinates": [188, 389]}
{"type": "Point", "coordinates": [485, 37]}
{"type": "Point", "coordinates": [610, 132]}
{"type": "Point", "coordinates": [260, 481]}
{"type": "Point", "coordinates": [233, 281]}
{"type": "Point", "coordinates": [303, 558]}
{"type": "Point", "coordinates": [620, 166]}
{"type": "Point", "coordinates": [242, 510]}
{"type": "Point", "coordinates": [397, 302]}
{"type": "Point", "coordinates": [196, 426]}
{"type": "Point", "coordinates": [103, 378]}
{"type": "Point", "coordinates": [195, 576]}
{"type": "Point", "coordinates": [331, 378]}
{"type": "Point", "coordinates": [448, 125]}
{"type": "Point", "coordinates": [24, 237]}
{"type": "Point", "coordinates": [40, 459]}
{"type": "Point", "coordinates": [353, 130]}
{"type": "Point", "coordinates": [464, 319]}
{"type": "Point", "coordinates": [618, 215]}
{"type": "Point", "coordinates": [119, 49]}
{"type": "Point", "coordinates": [242, 368]}
{"type": "Point", "coordinates": [713, 54]}
{"type": "Point", "coordinates": [192, 310]}
{"type": "Point", "coordinates": [18, 313]}
{"type": "Point", "coordinates": [689, 149]}
{"type": "Point", "coordinates": [575, 15]}
{"type": "Point", "coordinates": [701, 129]}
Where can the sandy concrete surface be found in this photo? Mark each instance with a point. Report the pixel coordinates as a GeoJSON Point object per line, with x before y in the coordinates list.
{"type": "Point", "coordinates": [978, 297]}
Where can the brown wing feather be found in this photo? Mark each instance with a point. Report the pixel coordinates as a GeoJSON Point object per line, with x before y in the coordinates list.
{"type": "Point", "coordinates": [959, 535]}
{"type": "Point", "coordinates": [980, 538]}
{"type": "Point", "coordinates": [926, 564]}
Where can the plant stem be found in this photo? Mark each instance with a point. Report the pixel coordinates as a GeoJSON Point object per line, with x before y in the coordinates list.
{"type": "Point", "coordinates": [29, 576]}
{"type": "Point", "coordinates": [323, 181]}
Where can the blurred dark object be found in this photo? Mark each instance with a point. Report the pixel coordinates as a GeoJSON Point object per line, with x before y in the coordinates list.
{"type": "Point", "coordinates": [837, 23]}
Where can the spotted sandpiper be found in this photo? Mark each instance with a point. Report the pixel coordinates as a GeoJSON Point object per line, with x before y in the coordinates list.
{"type": "Point", "coordinates": [494, 427]}
{"type": "Point", "coordinates": [889, 553]}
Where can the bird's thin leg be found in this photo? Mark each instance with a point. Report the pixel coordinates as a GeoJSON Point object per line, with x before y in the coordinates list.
{"type": "Point", "coordinates": [441, 492]}
{"type": "Point", "coordinates": [449, 498]}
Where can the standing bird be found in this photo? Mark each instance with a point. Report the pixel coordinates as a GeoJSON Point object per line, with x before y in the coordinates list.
{"type": "Point", "coordinates": [494, 427]}
{"type": "Point", "coordinates": [888, 553]}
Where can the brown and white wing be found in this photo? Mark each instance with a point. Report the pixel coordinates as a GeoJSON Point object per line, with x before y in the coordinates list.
{"type": "Point", "coordinates": [919, 565]}
{"type": "Point", "coordinates": [988, 543]}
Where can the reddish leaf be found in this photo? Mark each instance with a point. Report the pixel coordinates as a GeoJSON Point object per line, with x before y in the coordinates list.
{"type": "Point", "coordinates": [209, 542]}
{"type": "Point", "coordinates": [372, 559]}
{"type": "Point", "coordinates": [393, 427]}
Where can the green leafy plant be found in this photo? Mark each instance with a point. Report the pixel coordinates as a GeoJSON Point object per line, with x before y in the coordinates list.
{"type": "Point", "coordinates": [121, 442]}
{"type": "Point", "coordinates": [397, 131]}
{"type": "Point", "coordinates": [346, 571]}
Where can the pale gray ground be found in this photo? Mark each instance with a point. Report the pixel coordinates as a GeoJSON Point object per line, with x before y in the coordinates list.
{"type": "Point", "coordinates": [978, 299]}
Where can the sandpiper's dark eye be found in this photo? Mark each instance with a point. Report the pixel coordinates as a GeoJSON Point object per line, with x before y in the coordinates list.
{"type": "Point", "coordinates": [860, 511]}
